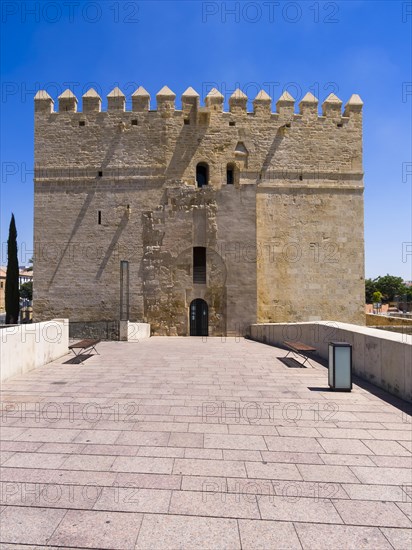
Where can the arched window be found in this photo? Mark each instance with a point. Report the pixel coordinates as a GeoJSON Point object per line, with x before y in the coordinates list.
{"type": "Point", "coordinates": [202, 174]}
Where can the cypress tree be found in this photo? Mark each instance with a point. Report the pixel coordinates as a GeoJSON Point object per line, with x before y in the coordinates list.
{"type": "Point", "coordinates": [12, 276]}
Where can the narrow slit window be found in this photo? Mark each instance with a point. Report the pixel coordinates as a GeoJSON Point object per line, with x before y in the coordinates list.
{"type": "Point", "coordinates": [199, 265]}
{"type": "Point", "coordinates": [230, 174]}
{"type": "Point", "coordinates": [99, 217]}
{"type": "Point", "coordinates": [100, 174]}
{"type": "Point", "coordinates": [82, 123]}
{"type": "Point", "coordinates": [124, 290]}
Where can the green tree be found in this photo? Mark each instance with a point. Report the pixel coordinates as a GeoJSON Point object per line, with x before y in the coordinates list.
{"type": "Point", "coordinates": [12, 276]}
{"type": "Point", "coordinates": [390, 286]}
{"type": "Point", "coordinates": [370, 288]}
{"type": "Point", "coordinates": [377, 297]}
{"type": "Point", "coordinates": [26, 290]}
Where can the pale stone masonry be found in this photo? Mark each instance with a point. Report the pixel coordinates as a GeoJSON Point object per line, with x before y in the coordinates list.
{"type": "Point", "coordinates": [275, 201]}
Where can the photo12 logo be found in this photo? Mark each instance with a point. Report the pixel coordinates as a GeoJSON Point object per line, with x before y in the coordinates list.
{"type": "Point", "coordinates": [270, 12]}
{"type": "Point", "coordinates": [73, 12]}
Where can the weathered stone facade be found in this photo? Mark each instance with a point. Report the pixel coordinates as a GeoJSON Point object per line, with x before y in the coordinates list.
{"type": "Point", "coordinates": [281, 216]}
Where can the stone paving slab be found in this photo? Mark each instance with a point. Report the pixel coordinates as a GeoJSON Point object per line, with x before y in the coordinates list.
{"type": "Point", "coordinates": [180, 443]}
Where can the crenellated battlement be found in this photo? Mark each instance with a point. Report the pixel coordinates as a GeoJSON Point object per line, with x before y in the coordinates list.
{"type": "Point", "coordinates": [190, 104]}
{"type": "Point", "coordinates": [272, 194]}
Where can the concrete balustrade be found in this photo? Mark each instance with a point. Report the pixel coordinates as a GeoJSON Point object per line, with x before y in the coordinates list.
{"type": "Point", "coordinates": [25, 347]}
{"type": "Point", "coordinates": [382, 358]}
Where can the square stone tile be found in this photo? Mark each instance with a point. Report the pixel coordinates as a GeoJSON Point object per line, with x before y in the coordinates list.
{"type": "Point", "coordinates": [212, 454]}
{"type": "Point", "coordinates": [186, 439]}
{"type": "Point", "coordinates": [345, 446]}
{"type": "Point", "coordinates": [254, 456]}
{"type": "Point", "coordinates": [109, 450]}
{"type": "Point", "coordinates": [272, 470]}
{"type": "Point", "coordinates": [97, 436]}
{"type": "Point", "coordinates": [23, 446]}
{"type": "Point", "coordinates": [342, 433]}
{"type": "Point", "coordinates": [61, 448]}
{"type": "Point", "coordinates": [244, 442]}
{"type": "Point", "coordinates": [224, 468]}
{"type": "Point", "coordinates": [35, 460]}
{"type": "Point", "coordinates": [8, 433]}
{"type": "Point", "coordinates": [5, 455]}
{"type": "Point", "coordinates": [293, 508]}
{"type": "Point", "coordinates": [334, 474]}
{"type": "Point", "coordinates": [88, 462]}
{"type": "Point", "coordinates": [347, 460]}
{"type": "Point", "coordinates": [387, 448]}
{"type": "Point", "coordinates": [203, 483]}
{"type": "Point", "coordinates": [389, 435]}
{"type": "Point", "coordinates": [160, 452]}
{"type": "Point", "coordinates": [390, 493]}
{"type": "Point", "coordinates": [391, 461]}
{"type": "Point", "coordinates": [218, 504]}
{"type": "Point", "coordinates": [208, 428]}
{"type": "Point", "coordinates": [262, 535]}
{"type": "Point", "coordinates": [340, 537]}
{"type": "Point", "coordinates": [251, 486]}
{"type": "Point", "coordinates": [133, 499]}
{"type": "Point", "coordinates": [293, 444]}
{"type": "Point", "coordinates": [103, 530]}
{"type": "Point", "coordinates": [143, 465]}
{"type": "Point", "coordinates": [29, 525]}
{"type": "Point", "coordinates": [254, 429]}
{"type": "Point", "coordinates": [401, 539]}
{"type": "Point", "coordinates": [379, 514]}
{"type": "Point", "coordinates": [382, 476]}
{"type": "Point", "coordinates": [163, 426]}
{"type": "Point", "coordinates": [407, 445]}
{"type": "Point", "coordinates": [48, 435]}
{"type": "Point", "coordinates": [148, 481]}
{"type": "Point", "coordinates": [406, 508]}
{"type": "Point", "coordinates": [294, 490]}
{"type": "Point", "coordinates": [187, 533]}
{"type": "Point", "coordinates": [298, 431]}
{"type": "Point", "coordinates": [152, 439]}
{"type": "Point", "coordinates": [293, 458]}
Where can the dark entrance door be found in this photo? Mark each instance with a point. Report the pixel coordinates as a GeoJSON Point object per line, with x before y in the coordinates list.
{"type": "Point", "coordinates": [199, 318]}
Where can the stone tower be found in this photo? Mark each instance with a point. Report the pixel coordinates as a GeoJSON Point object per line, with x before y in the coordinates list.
{"type": "Point", "coordinates": [198, 220]}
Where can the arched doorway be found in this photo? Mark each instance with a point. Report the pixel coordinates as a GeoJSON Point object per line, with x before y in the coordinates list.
{"type": "Point", "coordinates": [202, 174]}
{"type": "Point", "coordinates": [199, 318]}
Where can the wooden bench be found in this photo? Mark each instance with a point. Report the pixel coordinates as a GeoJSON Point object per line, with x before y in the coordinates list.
{"type": "Point", "coordinates": [299, 348]}
{"type": "Point", "coordinates": [84, 345]}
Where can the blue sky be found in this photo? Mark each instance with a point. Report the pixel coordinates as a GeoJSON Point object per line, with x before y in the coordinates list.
{"type": "Point", "coordinates": [345, 47]}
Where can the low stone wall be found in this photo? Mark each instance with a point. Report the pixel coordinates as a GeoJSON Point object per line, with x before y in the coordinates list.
{"type": "Point", "coordinates": [385, 320]}
{"type": "Point", "coordinates": [124, 331]}
{"type": "Point", "coordinates": [25, 347]}
{"type": "Point", "coordinates": [134, 332]}
{"type": "Point", "coordinates": [382, 358]}
{"type": "Point", "coordinates": [104, 330]}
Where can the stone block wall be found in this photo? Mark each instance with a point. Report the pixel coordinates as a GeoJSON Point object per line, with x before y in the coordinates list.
{"type": "Point", "coordinates": [284, 242]}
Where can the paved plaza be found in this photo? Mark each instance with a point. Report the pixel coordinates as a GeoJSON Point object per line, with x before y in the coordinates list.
{"type": "Point", "coordinates": [195, 444]}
